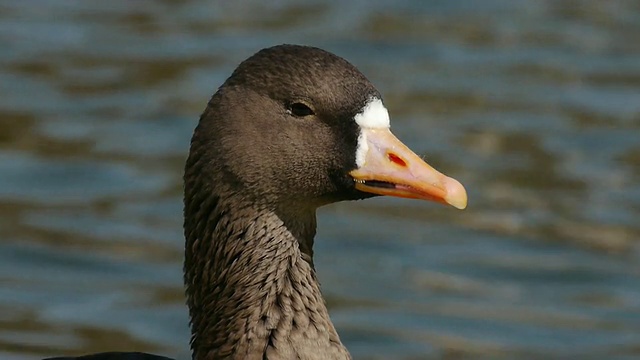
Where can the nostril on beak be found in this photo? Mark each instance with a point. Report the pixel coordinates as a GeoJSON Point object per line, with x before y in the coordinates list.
{"type": "Point", "coordinates": [396, 159]}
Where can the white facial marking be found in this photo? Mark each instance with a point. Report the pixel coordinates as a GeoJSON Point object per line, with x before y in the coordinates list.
{"type": "Point", "coordinates": [373, 116]}
{"type": "Point", "coordinates": [363, 149]}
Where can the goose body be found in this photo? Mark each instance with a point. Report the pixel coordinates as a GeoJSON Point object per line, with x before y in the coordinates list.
{"type": "Point", "coordinates": [292, 129]}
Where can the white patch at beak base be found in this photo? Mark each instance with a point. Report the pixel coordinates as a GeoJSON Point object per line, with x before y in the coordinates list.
{"type": "Point", "coordinates": [362, 150]}
{"type": "Point", "coordinates": [373, 116]}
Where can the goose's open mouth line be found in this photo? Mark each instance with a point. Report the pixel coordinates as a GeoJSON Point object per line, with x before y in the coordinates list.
{"type": "Point", "coordinates": [376, 183]}
{"type": "Point", "coordinates": [387, 188]}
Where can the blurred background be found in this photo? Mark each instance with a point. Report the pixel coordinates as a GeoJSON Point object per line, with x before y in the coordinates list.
{"type": "Point", "coordinates": [533, 105]}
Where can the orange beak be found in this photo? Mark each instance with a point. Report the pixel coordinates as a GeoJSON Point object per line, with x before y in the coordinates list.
{"type": "Point", "coordinates": [389, 167]}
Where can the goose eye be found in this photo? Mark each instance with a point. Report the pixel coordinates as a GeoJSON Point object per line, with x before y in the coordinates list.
{"type": "Point", "coordinates": [299, 109]}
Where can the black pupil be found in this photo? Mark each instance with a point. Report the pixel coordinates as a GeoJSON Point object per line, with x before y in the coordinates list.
{"type": "Point", "coordinates": [300, 109]}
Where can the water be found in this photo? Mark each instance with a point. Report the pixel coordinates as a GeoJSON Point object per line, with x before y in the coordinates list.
{"type": "Point", "coordinates": [533, 105]}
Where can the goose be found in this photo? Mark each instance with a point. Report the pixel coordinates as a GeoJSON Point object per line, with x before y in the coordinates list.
{"type": "Point", "coordinates": [292, 129]}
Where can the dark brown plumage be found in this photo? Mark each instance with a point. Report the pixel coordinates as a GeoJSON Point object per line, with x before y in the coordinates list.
{"type": "Point", "coordinates": [250, 214]}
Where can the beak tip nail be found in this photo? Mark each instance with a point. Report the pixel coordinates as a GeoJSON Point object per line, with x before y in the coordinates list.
{"type": "Point", "coordinates": [456, 194]}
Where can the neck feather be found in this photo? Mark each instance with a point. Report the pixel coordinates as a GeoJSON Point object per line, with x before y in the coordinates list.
{"type": "Point", "coordinates": [251, 287]}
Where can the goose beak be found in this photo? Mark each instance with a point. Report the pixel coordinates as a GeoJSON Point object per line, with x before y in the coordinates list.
{"type": "Point", "coordinates": [386, 166]}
